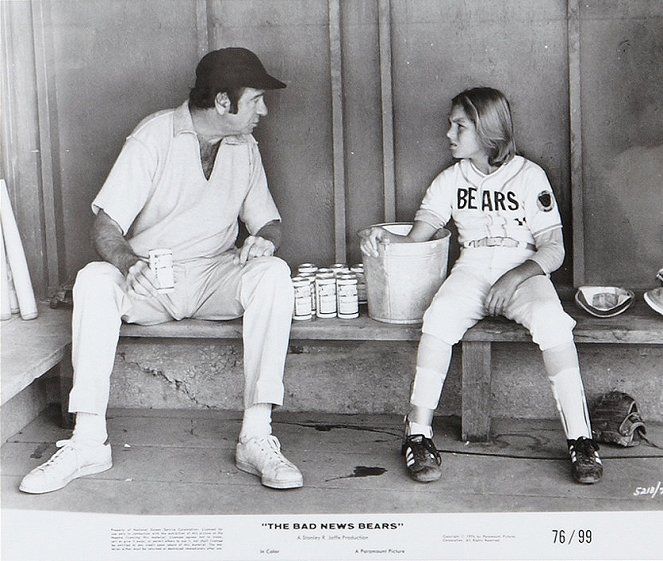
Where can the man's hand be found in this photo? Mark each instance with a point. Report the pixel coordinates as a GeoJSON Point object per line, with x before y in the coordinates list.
{"type": "Point", "coordinates": [255, 246]}
{"type": "Point", "coordinates": [140, 281]}
{"type": "Point", "coordinates": [114, 248]}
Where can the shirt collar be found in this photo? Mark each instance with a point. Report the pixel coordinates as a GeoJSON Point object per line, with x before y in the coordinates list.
{"type": "Point", "coordinates": [505, 172]}
{"type": "Point", "coordinates": [183, 123]}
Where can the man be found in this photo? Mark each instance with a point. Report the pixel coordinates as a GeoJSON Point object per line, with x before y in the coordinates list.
{"type": "Point", "coordinates": [181, 181]}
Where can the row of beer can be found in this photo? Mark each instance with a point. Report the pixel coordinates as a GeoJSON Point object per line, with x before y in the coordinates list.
{"type": "Point", "coordinates": [328, 292]}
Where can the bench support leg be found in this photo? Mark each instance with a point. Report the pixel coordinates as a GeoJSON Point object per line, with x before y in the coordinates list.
{"type": "Point", "coordinates": [476, 372]}
{"type": "Point", "coordinates": [66, 372]}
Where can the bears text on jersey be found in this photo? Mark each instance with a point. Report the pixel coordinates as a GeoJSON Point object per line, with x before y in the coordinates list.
{"type": "Point", "coordinates": [491, 201]}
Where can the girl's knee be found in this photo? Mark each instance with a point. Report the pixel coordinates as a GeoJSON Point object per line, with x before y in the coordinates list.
{"type": "Point", "coordinates": [551, 326]}
{"type": "Point", "coordinates": [446, 323]}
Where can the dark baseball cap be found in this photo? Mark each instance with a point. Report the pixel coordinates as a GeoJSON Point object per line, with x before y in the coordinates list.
{"type": "Point", "coordinates": [234, 67]}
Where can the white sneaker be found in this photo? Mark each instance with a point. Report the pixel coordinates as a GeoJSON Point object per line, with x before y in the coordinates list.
{"type": "Point", "coordinates": [262, 456]}
{"type": "Point", "coordinates": [72, 460]}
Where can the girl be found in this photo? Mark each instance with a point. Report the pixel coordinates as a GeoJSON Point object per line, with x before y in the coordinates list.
{"type": "Point", "coordinates": [510, 232]}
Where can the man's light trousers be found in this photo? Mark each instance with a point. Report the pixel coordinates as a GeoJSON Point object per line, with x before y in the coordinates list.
{"type": "Point", "coordinates": [214, 289]}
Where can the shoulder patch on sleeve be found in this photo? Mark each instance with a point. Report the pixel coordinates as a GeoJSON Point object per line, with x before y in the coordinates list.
{"type": "Point", "coordinates": [545, 201]}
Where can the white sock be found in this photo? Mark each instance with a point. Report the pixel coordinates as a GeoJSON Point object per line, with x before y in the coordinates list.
{"type": "Point", "coordinates": [90, 428]}
{"type": "Point", "coordinates": [257, 421]}
{"type": "Point", "coordinates": [417, 428]}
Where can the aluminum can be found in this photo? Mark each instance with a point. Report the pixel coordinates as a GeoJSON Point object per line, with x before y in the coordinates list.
{"type": "Point", "coordinates": [346, 294]}
{"type": "Point", "coordinates": [362, 294]}
{"type": "Point", "coordinates": [310, 277]}
{"type": "Point", "coordinates": [325, 291]}
{"type": "Point", "coordinates": [302, 308]}
{"type": "Point", "coordinates": [307, 268]}
{"type": "Point", "coordinates": [161, 264]}
{"type": "Point", "coordinates": [339, 268]}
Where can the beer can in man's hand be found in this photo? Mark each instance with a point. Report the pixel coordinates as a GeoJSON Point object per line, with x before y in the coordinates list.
{"type": "Point", "coordinates": [161, 264]}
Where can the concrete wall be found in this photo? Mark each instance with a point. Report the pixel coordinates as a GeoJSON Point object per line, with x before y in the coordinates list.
{"type": "Point", "coordinates": [370, 377]}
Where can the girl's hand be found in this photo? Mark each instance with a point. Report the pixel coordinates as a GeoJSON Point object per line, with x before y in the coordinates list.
{"type": "Point", "coordinates": [371, 239]}
{"type": "Point", "coordinates": [501, 292]}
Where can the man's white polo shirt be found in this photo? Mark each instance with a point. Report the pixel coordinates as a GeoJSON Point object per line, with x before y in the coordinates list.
{"type": "Point", "coordinates": [158, 194]}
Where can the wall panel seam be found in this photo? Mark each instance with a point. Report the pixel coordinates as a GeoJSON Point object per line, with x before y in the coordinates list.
{"type": "Point", "coordinates": [51, 207]}
{"type": "Point", "coordinates": [386, 94]}
{"type": "Point", "coordinates": [338, 130]}
{"type": "Point", "coordinates": [575, 140]}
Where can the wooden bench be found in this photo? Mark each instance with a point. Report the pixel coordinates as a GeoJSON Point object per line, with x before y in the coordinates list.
{"type": "Point", "coordinates": [32, 348]}
{"type": "Point", "coordinates": [639, 325]}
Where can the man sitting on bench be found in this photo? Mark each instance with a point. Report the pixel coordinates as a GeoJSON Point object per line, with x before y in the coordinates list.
{"type": "Point", "coordinates": [181, 181]}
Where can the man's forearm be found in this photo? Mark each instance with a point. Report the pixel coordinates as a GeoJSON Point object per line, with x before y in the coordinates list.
{"type": "Point", "coordinates": [272, 232]}
{"type": "Point", "coordinates": [111, 245]}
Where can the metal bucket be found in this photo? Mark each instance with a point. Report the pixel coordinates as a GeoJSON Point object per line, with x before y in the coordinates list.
{"type": "Point", "coordinates": [403, 279]}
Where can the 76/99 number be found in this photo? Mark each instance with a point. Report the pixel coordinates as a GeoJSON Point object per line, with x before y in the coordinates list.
{"type": "Point", "coordinates": [580, 536]}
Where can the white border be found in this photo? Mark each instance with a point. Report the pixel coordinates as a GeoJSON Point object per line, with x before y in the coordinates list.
{"type": "Point", "coordinates": [540, 535]}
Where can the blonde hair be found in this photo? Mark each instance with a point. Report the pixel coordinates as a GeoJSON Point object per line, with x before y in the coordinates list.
{"type": "Point", "coordinates": [490, 112]}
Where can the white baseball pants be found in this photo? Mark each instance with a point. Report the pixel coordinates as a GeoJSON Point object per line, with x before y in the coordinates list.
{"type": "Point", "coordinates": [460, 302]}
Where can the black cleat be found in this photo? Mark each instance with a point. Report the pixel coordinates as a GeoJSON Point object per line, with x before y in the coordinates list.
{"type": "Point", "coordinates": [585, 462]}
{"type": "Point", "coordinates": [422, 460]}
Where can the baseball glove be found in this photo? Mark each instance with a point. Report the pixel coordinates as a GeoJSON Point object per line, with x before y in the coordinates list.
{"type": "Point", "coordinates": [616, 420]}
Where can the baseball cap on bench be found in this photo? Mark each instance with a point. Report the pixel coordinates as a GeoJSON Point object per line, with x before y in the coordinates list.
{"type": "Point", "coordinates": [234, 67]}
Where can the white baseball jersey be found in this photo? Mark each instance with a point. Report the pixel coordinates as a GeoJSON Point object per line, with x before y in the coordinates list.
{"type": "Point", "coordinates": [516, 201]}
